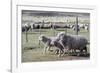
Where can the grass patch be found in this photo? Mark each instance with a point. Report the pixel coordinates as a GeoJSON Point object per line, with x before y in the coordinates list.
{"type": "Point", "coordinates": [32, 51]}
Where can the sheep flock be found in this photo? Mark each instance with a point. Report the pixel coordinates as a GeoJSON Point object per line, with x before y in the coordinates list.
{"type": "Point", "coordinates": [65, 43]}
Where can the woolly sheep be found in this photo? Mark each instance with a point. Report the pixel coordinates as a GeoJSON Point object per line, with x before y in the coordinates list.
{"type": "Point", "coordinates": [51, 41]}
{"type": "Point", "coordinates": [73, 42]}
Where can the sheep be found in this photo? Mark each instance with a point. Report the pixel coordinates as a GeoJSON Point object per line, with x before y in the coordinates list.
{"type": "Point", "coordinates": [25, 27]}
{"type": "Point", "coordinates": [73, 42]}
{"type": "Point", "coordinates": [51, 42]}
{"type": "Point", "coordinates": [86, 27]}
{"type": "Point", "coordinates": [74, 27]}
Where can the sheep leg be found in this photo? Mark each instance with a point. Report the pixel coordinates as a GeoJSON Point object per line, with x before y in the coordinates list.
{"type": "Point", "coordinates": [45, 49]}
{"type": "Point", "coordinates": [71, 51]}
{"type": "Point", "coordinates": [74, 51]}
{"type": "Point", "coordinates": [63, 48]}
{"type": "Point", "coordinates": [57, 51]}
{"type": "Point", "coordinates": [68, 50]}
{"type": "Point", "coordinates": [80, 52]}
{"type": "Point", "coordinates": [48, 48]}
{"type": "Point", "coordinates": [85, 50]}
{"type": "Point", "coordinates": [59, 55]}
{"type": "Point", "coordinates": [64, 51]}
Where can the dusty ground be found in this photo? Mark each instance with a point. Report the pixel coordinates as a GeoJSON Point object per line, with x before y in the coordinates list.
{"type": "Point", "coordinates": [37, 56]}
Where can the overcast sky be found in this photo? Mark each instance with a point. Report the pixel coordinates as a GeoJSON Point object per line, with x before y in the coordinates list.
{"type": "Point", "coordinates": [52, 13]}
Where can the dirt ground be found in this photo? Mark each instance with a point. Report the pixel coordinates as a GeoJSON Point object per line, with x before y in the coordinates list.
{"type": "Point", "coordinates": [38, 56]}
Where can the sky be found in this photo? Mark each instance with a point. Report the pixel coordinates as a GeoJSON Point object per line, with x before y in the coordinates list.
{"type": "Point", "coordinates": [52, 13]}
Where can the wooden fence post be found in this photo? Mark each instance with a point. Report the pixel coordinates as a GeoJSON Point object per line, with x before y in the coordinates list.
{"type": "Point", "coordinates": [76, 26]}
{"type": "Point", "coordinates": [26, 34]}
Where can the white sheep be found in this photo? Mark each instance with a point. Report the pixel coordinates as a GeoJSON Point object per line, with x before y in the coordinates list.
{"type": "Point", "coordinates": [51, 42]}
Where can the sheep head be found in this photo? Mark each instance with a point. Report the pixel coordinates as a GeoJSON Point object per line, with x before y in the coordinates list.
{"type": "Point", "coordinates": [60, 34]}
{"type": "Point", "coordinates": [41, 37]}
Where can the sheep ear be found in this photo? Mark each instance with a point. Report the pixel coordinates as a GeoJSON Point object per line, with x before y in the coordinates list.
{"type": "Point", "coordinates": [40, 37]}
